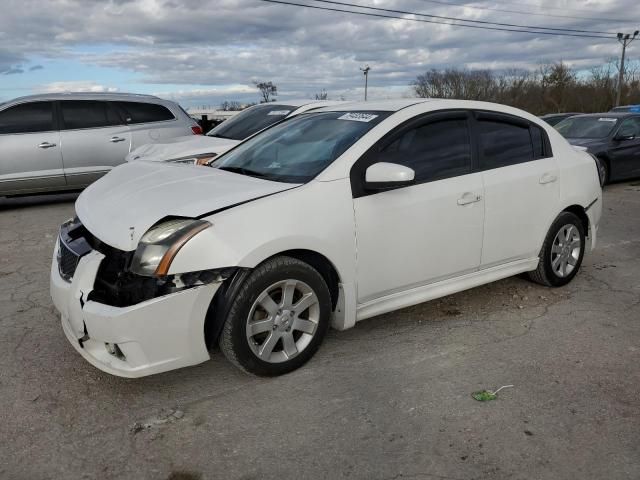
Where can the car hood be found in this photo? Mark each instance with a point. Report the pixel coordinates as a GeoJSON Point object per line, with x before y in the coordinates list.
{"type": "Point", "coordinates": [589, 143]}
{"type": "Point", "coordinates": [180, 147]}
{"type": "Point", "coordinates": [120, 207]}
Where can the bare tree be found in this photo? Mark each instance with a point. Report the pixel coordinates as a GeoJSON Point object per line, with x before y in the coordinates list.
{"type": "Point", "coordinates": [268, 91]}
{"type": "Point", "coordinates": [230, 106]}
{"type": "Point", "coordinates": [322, 95]}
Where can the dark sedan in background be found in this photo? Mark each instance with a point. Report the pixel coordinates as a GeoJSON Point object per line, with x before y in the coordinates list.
{"type": "Point", "coordinates": [555, 118]}
{"type": "Point", "coordinates": [613, 138]}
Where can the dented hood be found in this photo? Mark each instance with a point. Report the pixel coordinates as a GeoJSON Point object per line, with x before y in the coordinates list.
{"type": "Point", "coordinates": [120, 207]}
{"type": "Point", "coordinates": [180, 147]}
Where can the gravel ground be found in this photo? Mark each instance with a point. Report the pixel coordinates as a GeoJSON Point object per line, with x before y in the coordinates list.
{"type": "Point", "coordinates": [389, 399]}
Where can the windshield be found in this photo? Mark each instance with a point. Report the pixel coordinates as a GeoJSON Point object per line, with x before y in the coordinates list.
{"type": "Point", "coordinates": [587, 127]}
{"type": "Point", "coordinates": [250, 121]}
{"type": "Point", "coordinates": [297, 150]}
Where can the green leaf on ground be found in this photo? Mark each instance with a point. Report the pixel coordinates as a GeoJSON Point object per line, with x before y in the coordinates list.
{"type": "Point", "coordinates": [484, 396]}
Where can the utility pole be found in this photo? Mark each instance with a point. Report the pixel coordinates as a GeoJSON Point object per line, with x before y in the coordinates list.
{"type": "Point", "coordinates": [625, 40]}
{"type": "Point", "coordinates": [365, 70]}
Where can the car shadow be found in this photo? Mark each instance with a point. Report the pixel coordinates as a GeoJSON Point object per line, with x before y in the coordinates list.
{"type": "Point", "coordinates": [15, 203]}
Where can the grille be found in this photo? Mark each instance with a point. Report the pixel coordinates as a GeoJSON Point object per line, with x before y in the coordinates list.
{"type": "Point", "coordinates": [67, 260]}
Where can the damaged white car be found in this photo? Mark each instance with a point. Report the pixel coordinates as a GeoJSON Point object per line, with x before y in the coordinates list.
{"type": "Point", "coordinates": [326, 218]}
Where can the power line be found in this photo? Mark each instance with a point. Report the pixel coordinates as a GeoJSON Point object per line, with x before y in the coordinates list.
{"type": "Point", "coordinates": [421, 20]}
{"type": "Point", "coordinates": [493, 9]}
{"type": "Point", "coordinates": [457, 19]}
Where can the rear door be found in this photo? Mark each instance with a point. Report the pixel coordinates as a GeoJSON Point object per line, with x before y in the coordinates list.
{"type": "Point", "coordinates": [625, 153]}
{"type": "Point", "coordinates": [94, 140]}
{"type": "Point", "coordinates": [151, 122]}
{"type": "Point", "coordinates": [426, 232]}
{"type": "Point", "coordinates": [521, 186]}
{"type": "Point", "coordinates": [30, 158]}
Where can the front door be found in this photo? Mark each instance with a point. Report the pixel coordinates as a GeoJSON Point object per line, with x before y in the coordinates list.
{"type": "Point", "coordinates": [624, 153]}
{"type": "Point", "coordinates": [426, 232]}
{"type": "Point", "coordinates": [30, 157]}
{"type": "Point", "coordinates": [94, 140]}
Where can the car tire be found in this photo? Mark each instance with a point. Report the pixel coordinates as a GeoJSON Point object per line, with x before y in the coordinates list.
{"type": "Point", "coordinates": [561, 253]}
{"type": "Point", "coordinates": [278, 318]}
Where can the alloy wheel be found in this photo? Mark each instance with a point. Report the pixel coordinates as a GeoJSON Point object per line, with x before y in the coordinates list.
{"type": "Point", "coordinates": [565, 250]}
{"type": "Point", "coordinates": [282, 321]}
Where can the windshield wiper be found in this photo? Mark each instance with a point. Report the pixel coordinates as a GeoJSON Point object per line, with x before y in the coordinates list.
{"type": "Point", "coordinates": [244, 171]}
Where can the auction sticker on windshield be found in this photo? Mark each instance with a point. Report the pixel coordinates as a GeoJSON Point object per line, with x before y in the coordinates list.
{"type": "Point", "coordinates": [607, 119]}
{"type": "Point", "coordinates": [358, 117]}
{"type": "Point", "coordinates": [279, 112]}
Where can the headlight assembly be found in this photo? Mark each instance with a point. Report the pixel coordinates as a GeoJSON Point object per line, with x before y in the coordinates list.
{"type": "Point", "coordinates": [160, 244]}
{"type": "Point", "coordinates": [203, 159]}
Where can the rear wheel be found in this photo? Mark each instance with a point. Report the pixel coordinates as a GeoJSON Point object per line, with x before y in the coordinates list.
{"type": "Point", "coordinates": [278, 318]}
{"type": "Point", "coordinates": [562, 252]}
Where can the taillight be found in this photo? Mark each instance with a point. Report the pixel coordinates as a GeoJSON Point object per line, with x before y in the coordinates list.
{"type": "Point", "coordinates": [197, 130]}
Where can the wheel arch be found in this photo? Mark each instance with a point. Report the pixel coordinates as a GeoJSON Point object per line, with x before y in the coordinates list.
{"type": "Point", "coordinates": [219, 308]}
{"type": "Point", "coordinates": [580, 212]}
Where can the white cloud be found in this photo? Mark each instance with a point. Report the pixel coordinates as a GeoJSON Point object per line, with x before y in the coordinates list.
{"type": "Point", "coordinates": [76, 86]}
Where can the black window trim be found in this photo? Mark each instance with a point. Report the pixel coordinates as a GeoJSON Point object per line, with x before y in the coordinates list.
{"type": "Point", "coordinates": [54, 116]}
{"type": "Point", "coordinates": [109, 103]}
{"type": "Point", "coordinates": [479, 115]}
{"type": "Point", "coordinates": [123, 114]}
{"type": "Point", "coordinates": [358, 169]}
{"type": "Point", "coordinates": [357, 173]}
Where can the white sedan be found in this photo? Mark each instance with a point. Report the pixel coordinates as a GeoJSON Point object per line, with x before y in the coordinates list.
{"type": "Point", "coordinates": [327, 218]}
{"type": "Point", "coordinates": [202, 149]}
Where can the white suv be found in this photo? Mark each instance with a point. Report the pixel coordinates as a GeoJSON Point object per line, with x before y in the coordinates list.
{"type": "Point", "coordinates": [326, 218]}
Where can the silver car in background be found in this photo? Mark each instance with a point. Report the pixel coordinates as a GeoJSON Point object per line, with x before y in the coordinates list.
{"type": "Point", "coordinates": [66, 141]}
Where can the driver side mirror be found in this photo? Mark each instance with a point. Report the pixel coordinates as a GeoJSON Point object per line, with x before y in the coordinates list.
{"type": "Point", "coordinates": [621, 136]}
{"type": "Point", "coordinates": [384, 175]}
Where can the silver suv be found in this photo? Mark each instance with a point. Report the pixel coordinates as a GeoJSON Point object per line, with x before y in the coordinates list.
{"type": "Point", "coordinates": [66, 141]}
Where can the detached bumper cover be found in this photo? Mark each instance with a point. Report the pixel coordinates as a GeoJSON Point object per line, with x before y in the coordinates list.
{"type": "Point", "coordinates": [154, 336]}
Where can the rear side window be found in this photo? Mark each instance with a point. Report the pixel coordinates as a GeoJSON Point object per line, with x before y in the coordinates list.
{"type": "Point", "coordinates": [434, 151]}
{"type": "Point", "coordinates": [137, 112]}
{"type": "Point", "coordinates": [87, 114]}
{"type": "Point", "coordinates": [502, 144]}
{"type": "Point", "coordinates": [27, 118]}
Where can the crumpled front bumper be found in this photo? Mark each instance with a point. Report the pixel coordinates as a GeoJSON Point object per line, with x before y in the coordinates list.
{"type": "Point", "coordinates": [154, 336]}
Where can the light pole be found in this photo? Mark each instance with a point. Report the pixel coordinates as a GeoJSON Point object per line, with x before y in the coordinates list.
{"type": "Point", "coordinates": [624, 39]}
{"type": "Point", "coordinates": [365, 70]}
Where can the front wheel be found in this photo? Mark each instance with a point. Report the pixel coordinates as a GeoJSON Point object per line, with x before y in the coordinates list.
{"type": "Point", "coordinates": [562, 252]}
{"type": "Point", "coordinates": [278, 318]}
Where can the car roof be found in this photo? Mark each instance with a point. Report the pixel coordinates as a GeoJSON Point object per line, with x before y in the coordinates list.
{"type": "Point", "coordinates": [378, 105]}
{"type": "Point", "coordinates": [87, 96]}
{"type": "Point", "coordinates": [559, 114]}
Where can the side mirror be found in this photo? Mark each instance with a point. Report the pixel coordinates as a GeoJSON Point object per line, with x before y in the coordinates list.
{"type": "Point", "coordinates": [384, 175]}
{"type": "Point", "coordinates": [622, 136]}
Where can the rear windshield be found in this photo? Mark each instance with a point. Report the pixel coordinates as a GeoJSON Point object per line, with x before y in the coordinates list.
{"type": "Point", "coordinates": [298, 149]}
{"type": "Point", "coordinates": [587, 127]}
{"type": "Point", "coordinates": [250, 121]}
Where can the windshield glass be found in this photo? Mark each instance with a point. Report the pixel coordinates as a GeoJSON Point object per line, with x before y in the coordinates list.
{"type": "Point", "coordinates": [251, 120]}
{"type": "Point", "coordinates": [297, 150]}
{"type": "Point", "coordinates": [587, 127]}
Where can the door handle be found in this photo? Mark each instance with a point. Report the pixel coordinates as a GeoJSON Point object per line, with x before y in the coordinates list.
{"type": "Point", "coordinates": [46, 145]}
{"type": "Point", "coordinates": [468, 198]}
{"type": "Point", "coordinates": [547, 178]}
{"type": "Point", "coordinates": [117, 139]}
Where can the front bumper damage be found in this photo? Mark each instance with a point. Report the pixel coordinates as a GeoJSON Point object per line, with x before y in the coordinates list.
{"type": "Point", "coordinates": [153, 336]}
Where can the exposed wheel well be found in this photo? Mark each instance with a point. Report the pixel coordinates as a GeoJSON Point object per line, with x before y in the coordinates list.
{"type": "Point", "coordinates": [578, 211]}
{"type": "Point", "coordinates": [217, 313]}
{"type": "Point", "coordinates": [323, 266]}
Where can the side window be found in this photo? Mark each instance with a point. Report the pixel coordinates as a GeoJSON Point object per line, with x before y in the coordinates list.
{"type": "Point", "coordinates": [87, 114]}
{"type": "Point", "coordinates": [435, 150]}
{"type": "Point", "coordinates": [630, 127]}
{"type": "Point", "coordinates": [503, 144]}
{"type": "Point", "coordinates": [137, 112]}
{"type": "Point", "coordinates": [27, 118]}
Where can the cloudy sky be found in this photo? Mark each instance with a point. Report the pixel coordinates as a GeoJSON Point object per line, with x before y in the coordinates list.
{"type": "Point", "coordinates": [201, 52]}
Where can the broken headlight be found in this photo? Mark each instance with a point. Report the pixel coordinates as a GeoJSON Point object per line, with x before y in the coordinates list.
{"type": "Point", "coordinates": [203, 159]}
{"type": "Point", "coordinates": [160, 244]}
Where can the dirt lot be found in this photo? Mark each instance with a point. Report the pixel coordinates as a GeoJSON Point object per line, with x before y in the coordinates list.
{"type": "Point", "coordinates": [388, 399]}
